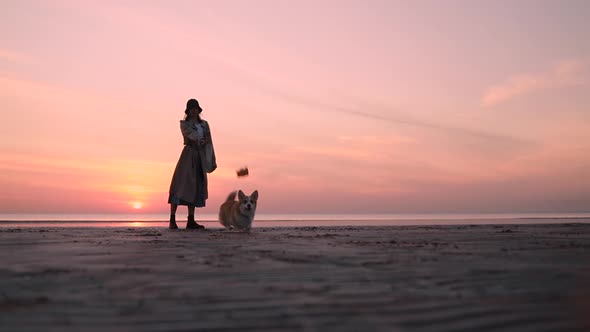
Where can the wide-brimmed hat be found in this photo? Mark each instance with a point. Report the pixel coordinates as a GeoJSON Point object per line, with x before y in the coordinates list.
{"type": "Point", "coordinates": [192, 103]}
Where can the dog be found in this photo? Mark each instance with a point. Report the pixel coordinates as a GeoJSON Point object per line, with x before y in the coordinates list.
{"type": "Point", "coordinates": [238, 214]}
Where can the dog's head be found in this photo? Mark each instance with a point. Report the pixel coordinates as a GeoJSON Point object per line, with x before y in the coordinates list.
{"type": "Point", "coordinates": [248, 203]}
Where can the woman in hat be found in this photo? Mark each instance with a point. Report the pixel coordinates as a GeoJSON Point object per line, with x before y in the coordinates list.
{"type": "Point", "coordinates": [189, 182]}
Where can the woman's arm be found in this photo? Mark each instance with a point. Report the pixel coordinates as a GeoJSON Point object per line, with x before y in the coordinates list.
{"type": "Point", "coordinates": [189, 132]}
{"type": "Point", "coordinates": [209, 140]}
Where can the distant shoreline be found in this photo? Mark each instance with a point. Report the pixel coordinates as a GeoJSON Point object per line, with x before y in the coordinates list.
{"type": "Point", "coordinates": [264, 216]}
{"type": "Point", "coordinates": [296, 223]}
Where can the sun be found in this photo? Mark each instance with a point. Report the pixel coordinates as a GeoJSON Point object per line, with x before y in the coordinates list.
{"type": "Point", "coordinates": [137, 205]}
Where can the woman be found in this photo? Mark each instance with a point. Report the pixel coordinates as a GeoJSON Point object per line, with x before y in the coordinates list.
{"type": "Point", "coordinates": [189, 182]}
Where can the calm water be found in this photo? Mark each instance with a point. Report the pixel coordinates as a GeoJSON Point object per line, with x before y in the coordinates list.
{"type": "Point", "coordinates": [287, 220]}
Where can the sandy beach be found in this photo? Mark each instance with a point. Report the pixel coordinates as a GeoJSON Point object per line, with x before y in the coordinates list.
{"type": "Point", "coordinates": [390, 278]}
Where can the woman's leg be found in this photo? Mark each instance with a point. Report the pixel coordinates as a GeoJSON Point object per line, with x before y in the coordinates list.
{"type": "Point", "coordinates": [172, 224]}
{"type": "Point", "coordinates": [191, 223]}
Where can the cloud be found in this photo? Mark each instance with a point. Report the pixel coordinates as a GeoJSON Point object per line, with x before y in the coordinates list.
{"type": "Point", "coordinates": [14, 57]}
{"type": "Point", "coordinates": [393, 116]}
{"type": "Point", "coordinates": [563, 74]}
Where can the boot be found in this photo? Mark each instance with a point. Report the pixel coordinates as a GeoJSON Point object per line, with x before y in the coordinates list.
{"type": "Point", "coordinates": [192, 224]}
{"type": "Point", "coordinates": [172, 224]}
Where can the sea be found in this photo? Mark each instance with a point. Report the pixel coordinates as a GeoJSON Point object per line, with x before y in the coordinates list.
{"type": "Point", "coordinates": [290, 220]}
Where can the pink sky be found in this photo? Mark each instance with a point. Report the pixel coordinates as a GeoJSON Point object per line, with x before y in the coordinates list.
{"type": "Point", "coordinates": [335, 106]}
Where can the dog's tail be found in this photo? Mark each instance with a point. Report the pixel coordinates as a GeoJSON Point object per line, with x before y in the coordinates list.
{"type": "Point", "coordinates": [232, 196]}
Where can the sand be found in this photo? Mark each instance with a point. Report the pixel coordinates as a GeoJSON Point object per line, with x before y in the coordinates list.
{"type": "Point", "coordinates": [405, 278]}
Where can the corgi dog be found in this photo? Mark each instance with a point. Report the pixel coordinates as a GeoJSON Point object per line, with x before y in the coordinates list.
{"type": "Point", "coordinates": [238, 214]}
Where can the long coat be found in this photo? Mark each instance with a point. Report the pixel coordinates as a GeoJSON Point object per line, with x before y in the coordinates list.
{"type": "Point", "coordinates": [189, 182]}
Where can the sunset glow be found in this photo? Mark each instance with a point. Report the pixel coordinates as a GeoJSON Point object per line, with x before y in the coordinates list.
{"type": "Point", "coordinates": [335, 106]}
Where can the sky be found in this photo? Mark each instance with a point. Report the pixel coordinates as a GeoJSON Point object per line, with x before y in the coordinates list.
{"type": "Point", "coordinates": [336, 106]}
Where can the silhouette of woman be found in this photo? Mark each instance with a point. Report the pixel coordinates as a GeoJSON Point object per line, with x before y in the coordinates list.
{"type": "Point", "coordinates": [189, 182]}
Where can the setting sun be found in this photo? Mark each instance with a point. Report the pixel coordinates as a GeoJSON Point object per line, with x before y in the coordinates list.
{"type": "Point", "coordinates": [137, 205]}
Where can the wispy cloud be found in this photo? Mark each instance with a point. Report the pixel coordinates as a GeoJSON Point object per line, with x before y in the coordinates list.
{"type": "Point", "coordinates": [15, 57]}
{"type": "Point", "coordinates": [566, 73]}
{"type": "Point", "coordinates": [391, 115]}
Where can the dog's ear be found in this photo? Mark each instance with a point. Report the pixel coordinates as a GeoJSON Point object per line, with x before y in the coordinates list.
{"type": "Point", "coordinates": [254, 195]}
{"type": "Point", "coordinates": [241, 195]}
